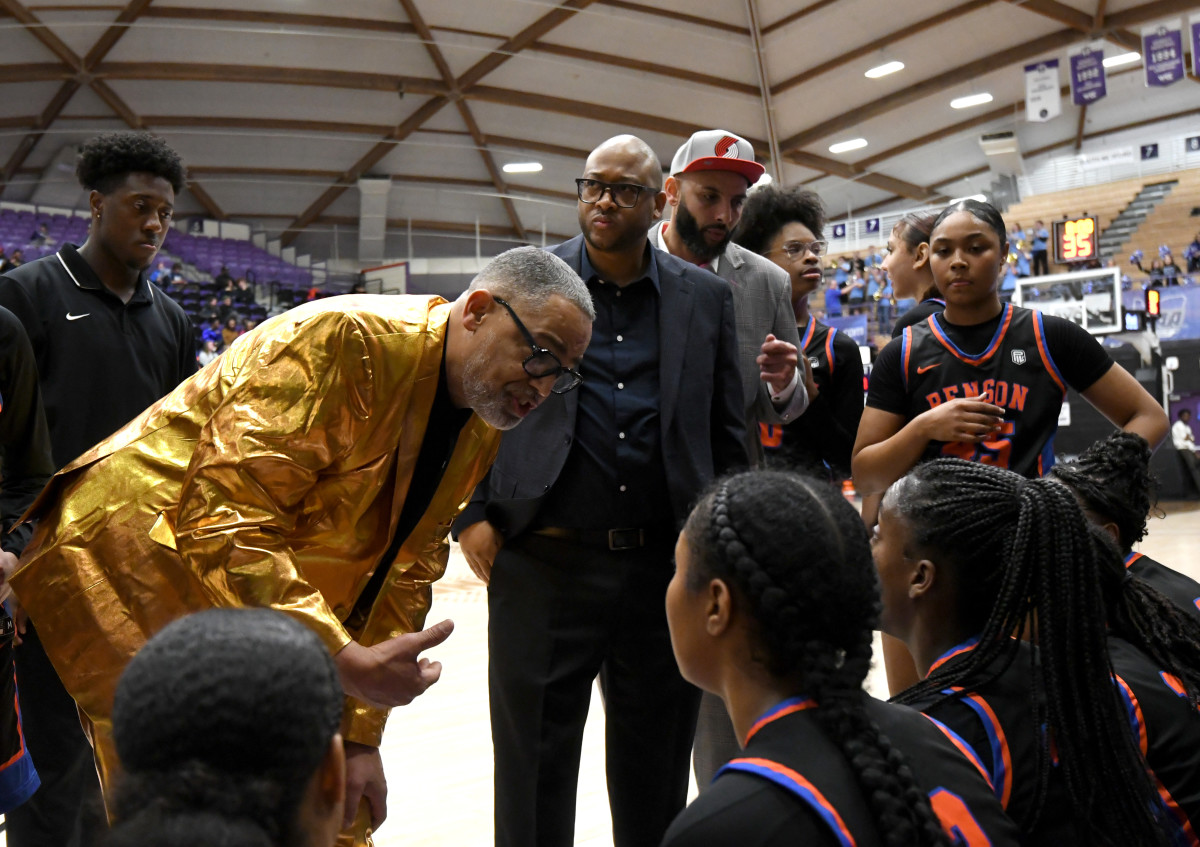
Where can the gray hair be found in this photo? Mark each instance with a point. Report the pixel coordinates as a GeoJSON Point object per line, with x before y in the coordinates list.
{"type": "Point", "coordinates": [530, 275]}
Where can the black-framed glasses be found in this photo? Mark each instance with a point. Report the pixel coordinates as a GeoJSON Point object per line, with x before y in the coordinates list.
{"type": "Point", "coordinates": [794, 250]}
{"type": "Point", "coordinates": [624, 194]}
{"type": "Point", "coordinates": [542, 363]}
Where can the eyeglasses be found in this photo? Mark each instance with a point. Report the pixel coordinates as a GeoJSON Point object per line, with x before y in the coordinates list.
{"type": "Point", "coordinates": [624, 194]}
{"type": "Point", "coordinates": [542, 363]}
{"type": "Point", "coordinates": [797, 249]}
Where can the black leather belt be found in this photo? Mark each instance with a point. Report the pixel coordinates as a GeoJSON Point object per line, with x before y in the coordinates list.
{"type": "Point", "coordinates": [604, 539]}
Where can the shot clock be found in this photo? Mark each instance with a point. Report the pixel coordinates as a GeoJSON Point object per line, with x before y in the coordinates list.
{"type": "Point", "coordinates": [1075, 240]}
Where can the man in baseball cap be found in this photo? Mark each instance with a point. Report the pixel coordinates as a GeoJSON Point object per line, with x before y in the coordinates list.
{"type": "Point", "coordinates": [710, 176]}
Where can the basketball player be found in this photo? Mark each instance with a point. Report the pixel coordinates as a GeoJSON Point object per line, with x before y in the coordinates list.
{"type": "Point", "coordinates": [772, 607]}
{"type": "Point", "coordinates": [785, 225]}
{"type": "Point", "coordinates": [968, 555]}
{"type": "Point", "coordinates": [1112, 482]}
{"type": "Point", "coordinates": [985, 381]}
{"type": "Point", "coordinates": [907, 264]}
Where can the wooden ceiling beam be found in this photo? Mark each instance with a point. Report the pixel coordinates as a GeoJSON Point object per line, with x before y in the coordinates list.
{"type": "Point", "coordinates": [468, 80]}
{"type": "Point", "coordinates": [681, 17]}
{"type": "Point", "coordinates": [210, 205]}
{"type": "Point", "coordinates": [848, 56]}
{"type": "Point", "coordinates": [284, 124]}
{"type": "Point", "coordinates": [538, 147]}
{"type": "Point", "coordinates": [464, 111]}
{"type": "Point", "coordinates": [34, 26]}
{"type": "Point", "coordinates": [249, 16]}
{"type": "Point", "coordinates": [848, 171]}
{"type": "Point", "coordinates": [206, 72]}
{"type": "Point", "coordinates": [633, 64]}
{"type": "Point", "coordinates": [789, 19]}
{"type": "Point", "coordinates": [854, 115]}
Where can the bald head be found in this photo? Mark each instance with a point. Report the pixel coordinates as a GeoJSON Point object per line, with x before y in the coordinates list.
{"type": "Point", "coordinates": [636, 155]}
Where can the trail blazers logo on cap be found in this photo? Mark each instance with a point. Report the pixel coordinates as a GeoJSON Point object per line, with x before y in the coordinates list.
{"type": "Point", "coordinates": [726, 148]}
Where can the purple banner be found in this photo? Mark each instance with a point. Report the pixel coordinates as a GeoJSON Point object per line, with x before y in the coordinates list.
{"type": "Point", "coordinates": [855, 326]}
{"type": "Point", "coordinates": [1162, 55]}
{"type": "Point", "coordinates": [1088, 83]}
{"type": "Point", "coordinates": [1194, 27]}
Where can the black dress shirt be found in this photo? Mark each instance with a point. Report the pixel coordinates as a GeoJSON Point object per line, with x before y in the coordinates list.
{"type": "Point", "coordinates": [614, 476]}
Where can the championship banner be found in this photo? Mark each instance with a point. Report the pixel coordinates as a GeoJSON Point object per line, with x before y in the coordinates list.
{"type": "Point", "coordinates": [839, 231]}
{"type": "Point", "coordinates": [1162, 54]}
{"type": "Point", "coordinates": [1107, 158]}
{"type": "Point", "coordinates": [1043, 102]}
{"type": "Point", "coordinates": [1088, 82]}
{"type": "Point", "coordinates": [1194, 29]}
{"type": "Point", "coordinates": [872, 226]}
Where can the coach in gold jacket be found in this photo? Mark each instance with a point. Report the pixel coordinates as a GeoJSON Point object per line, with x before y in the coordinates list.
{"type": "Point", "coordinates": [279, 476]}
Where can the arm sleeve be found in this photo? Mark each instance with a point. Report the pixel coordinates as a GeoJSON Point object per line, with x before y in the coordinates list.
{"type": "Point", "coordinates": [27, 463]}
{"type": "Point", "coordinates": [292, 413]}
{"type": "Point", "coordinates": [783, 327]}
{"type": "Point", "coordinates": [1078, 355]}
{"type": "Point", "coordinates": [887, 382]}
{"type": "Point", "coordinates": [728, 417]}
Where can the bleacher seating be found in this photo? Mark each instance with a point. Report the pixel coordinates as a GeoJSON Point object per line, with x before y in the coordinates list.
{"type": "Point", "coordinates": [1170, 223]}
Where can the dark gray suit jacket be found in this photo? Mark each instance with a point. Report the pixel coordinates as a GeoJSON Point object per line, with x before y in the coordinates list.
{"type": "Point", "coordinates": [700, 412]}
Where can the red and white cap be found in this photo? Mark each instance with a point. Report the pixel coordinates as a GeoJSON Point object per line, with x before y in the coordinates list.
{"type": "Point", "coordinates": [717, 150]}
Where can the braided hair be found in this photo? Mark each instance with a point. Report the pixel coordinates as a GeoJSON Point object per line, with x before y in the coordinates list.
{"type": "Point", "coordinates": [1018, 548]}
{"type": "Point", "coordinates": [797, 555]}
{"type": "Point", "coordinates": [1112, 478]}
{"type": "Point", "coordinates": [220, 722]}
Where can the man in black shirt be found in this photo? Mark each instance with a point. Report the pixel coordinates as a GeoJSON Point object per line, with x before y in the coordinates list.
{"type": "Point", "coordinates": [580, 515]}
{"type": "Point", "coordinates": [107, 346]}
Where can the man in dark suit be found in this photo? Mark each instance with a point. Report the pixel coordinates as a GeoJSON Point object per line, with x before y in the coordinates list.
{"type": "Point", "coordinates": [580, 516]}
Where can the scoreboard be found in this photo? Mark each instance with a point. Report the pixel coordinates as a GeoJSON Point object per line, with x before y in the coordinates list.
{"type": "Point", "coordinates": [1075, 240]}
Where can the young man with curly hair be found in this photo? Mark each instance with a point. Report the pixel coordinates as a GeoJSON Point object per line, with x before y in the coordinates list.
{"type": "Point", "coordinates": [107, 346]}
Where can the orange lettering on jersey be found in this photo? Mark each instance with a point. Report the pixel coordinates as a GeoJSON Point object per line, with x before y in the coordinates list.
{"type": "Point", "coordinates": [1019, 393]}
{"type": "Point", "coordinates": [933, 399]}
{"type": "Point", "coordinates": [970, 389]}
{"type": "Point", "coordinates": [950, 392]}
{"type": "Point", "coordinates": [770, 436]}
{"type": "Point", "coordinates": [1000, 393]}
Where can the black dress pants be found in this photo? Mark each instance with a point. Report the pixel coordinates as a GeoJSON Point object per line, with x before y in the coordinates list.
{"type": "Point", "coordinates": [68, 809]}
{"type": "Point", "coordinates": [561, 614]}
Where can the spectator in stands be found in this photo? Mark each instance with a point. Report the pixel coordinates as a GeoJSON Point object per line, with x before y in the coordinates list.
{"type": "Point", "coordinates": [1041, 240]}
{"type": "Point", "coordinates": [226, 724]}
{"type": "Point", "coordinates": [226, 308]}
{"type": "Point", "coordinates": [209, 311]}
{"type": "Point", "coordinates": [14, 261]}
{"type": "Point", "coordinates": [230, 331]}
{"type": "Point", "coordinates": [1009, 284]}
{"type": "Point", "coordinates": [161, 275]}
{"type": "Point", "coordinates": [248, 325]}
{"type": "Point", "coordinates": [212, 332]}
{"type": "Point", "coordinates": [1184, 441]}
{"type": "Point", "coordinates": [359, 288]}
{"type": "Point", "coordinates": [1172, 273]}
{"type": "Point", "coordinates": [41, 238]}
{"type": "Point", "coordinates": [1192, 255]}
{"type": "Point", "coordinates": [833, 299]}
{"type": "Point", "coordinates": [858, 264]}
{"type": "Point", "coordinates": [1157, 276]}
{"type": "Point", "coordinates": [208, 352]}
{"type": "Point", "coordinates": [856, 293]}
{"type": "Point", "coordinates": [223, 280]}
{"type": "Point", "coordinates": [243, 295]}
{"type": "Point", "coordinates": [884, 301]}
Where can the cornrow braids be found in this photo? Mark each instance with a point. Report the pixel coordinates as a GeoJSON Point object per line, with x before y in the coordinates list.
{"type": "Point", "coordinates": [1023, 550]}
{"type": "Point", "coordinates": [1112, 478]}
{"type": "Point", "coordinates": [797, 555]}
{"type": "Point", "coordinates": [1147, 619]}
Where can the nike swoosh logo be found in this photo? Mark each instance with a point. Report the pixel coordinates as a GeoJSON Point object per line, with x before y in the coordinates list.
{"type": "Point", "coordinates": [924, 368]}
{"type": "Point", "coordinates": [71, 317]}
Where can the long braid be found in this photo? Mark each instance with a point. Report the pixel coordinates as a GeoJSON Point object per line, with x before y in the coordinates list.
{"type": "Point", "coordinates": [1112, 479]}
{"type": "Point", "coordinates": [797, 554]}
{"type": "Point", "coordinates": [1024, 551]}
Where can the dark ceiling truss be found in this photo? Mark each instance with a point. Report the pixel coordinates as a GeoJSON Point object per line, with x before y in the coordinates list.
{"type": "Point", "coordinates": [74, 72]}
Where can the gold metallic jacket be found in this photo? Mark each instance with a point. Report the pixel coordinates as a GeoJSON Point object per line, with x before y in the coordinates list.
{"type": "Point", "coordinates": [273, 477]}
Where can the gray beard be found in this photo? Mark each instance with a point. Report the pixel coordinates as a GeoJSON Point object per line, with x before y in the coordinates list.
{"type": "Point", "coordinates": [491, 408]}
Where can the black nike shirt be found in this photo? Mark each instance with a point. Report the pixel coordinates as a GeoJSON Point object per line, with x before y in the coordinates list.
{"type": "Point", "coordinates": [101, 362]}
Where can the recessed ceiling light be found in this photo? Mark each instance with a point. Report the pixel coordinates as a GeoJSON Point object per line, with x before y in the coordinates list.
{"type": "Point", "coordinates": [982, 198]}
{"type": "Point", "coordinates": [847, 146]}
{"type": "Point", "coordinates": [884, 69]}
{"type": "Point", "coordinates": [523, 168]}
{"type": "Point", "coordinates": [1122, 59]}
{"type": "Point", "coordinates": [971, 100]}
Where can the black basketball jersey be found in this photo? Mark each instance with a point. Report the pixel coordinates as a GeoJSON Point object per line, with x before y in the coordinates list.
{"type": "Point", "coordinates": [1014, 371]}
{"type": "Point", "coordinates": [1181, 590]}
{"type": "Point", "coordinates": [820, 441]}
{"type": "Point", "coordinates": [1167, 728]}
{"type": "Point", "coordinates": [792, 785]}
